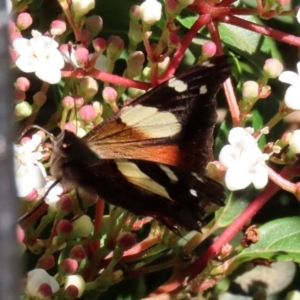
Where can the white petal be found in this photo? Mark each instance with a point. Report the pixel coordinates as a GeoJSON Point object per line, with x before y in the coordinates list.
{"type": "Point", "coordinates": [55, 59]}
{"type": "Point", "coordinates": [101, 63]}
{"type": "Point", "coordinates": [27, 64]}
{"type": "Point", "coordinates": [237, 178]}
{"type": "Point", "coordinates": [294, 142]}
{"type": "Point", "coordinates": [21, 46]}
{"type": "Point", "coordinates": [51, 76]}
{"type": "Point", "coordinates": [241, 138]}
{"type": "Point", "coordinates": [289, 77]}
{"type": "Point", "coordinates": [54, 194]}
{"type": "Point", "coordinates": [228, 155]}
{"type": "Point", "coordinates": [260, 176]}
{"type": "Point", "coordinates": [292, 97]}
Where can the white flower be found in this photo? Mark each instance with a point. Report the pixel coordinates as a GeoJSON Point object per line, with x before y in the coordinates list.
{"type": "Point", "coordinates": [39, 55]}
{"type": "Point", "coordinates": [292, 94]}
{"type": "Point", "coordinates": [150, 11]}
{"type": "Point", "coordinates": [37, 277]}
{"type": "Point", "coordinates": [30, 174]}
{"type": "Point", "coordinates": [54, 194]}
{"type": "Point", "coordinates": [294, 142]}
{"type": "Point", "coordinates": [298, 15]}
{"type": "Point", "coordinates": [77, 281]}
{"type": "Point", "coordinates": [82, 7]}
{"type": "Point", "coordinates": [244, 161]}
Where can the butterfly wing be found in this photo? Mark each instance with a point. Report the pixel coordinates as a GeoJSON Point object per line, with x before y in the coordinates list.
{"type": "Point", "coordinates": [172, 123]}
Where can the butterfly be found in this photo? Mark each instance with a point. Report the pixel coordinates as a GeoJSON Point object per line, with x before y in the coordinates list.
{"type": "Point", "coordinates": [150, 157]}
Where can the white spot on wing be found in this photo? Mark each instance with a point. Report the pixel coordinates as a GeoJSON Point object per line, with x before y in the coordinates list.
{"type": "Point", "coordinates": [203, 90]}
{"type": "Point", "coordinates": [169, 172]}
{"type": "Point", "coordinates": [197, 177]}
{"type": "Point", "coordinates": [178, 85]}
{"type": "Point", "coordinates": [150, 121]}
{"type": "Point", "coordinates": [134, 175]}
{"type": "Point", "coordinates": [207, 64]}
{"type": "Point", "coordinates": [193, 192]}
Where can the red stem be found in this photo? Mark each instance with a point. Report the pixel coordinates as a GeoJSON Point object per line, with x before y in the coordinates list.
{"type": "Point", "coordinates": [201, 21]}
{"type": "Point", "coordinates": [107, 77]}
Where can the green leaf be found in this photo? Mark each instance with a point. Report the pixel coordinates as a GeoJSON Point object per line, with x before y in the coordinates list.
{"type": "Point", "coordinates": [236, 204]}
{"type": "Point", "coordinates": [279, 240]}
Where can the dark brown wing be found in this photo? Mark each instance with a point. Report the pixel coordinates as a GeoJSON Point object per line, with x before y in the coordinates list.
{"type": "Point", "coordinates": [172, 123]}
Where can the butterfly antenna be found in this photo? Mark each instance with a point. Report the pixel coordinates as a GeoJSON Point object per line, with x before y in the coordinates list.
{"type": "Point", "coordinates": [50, 135]}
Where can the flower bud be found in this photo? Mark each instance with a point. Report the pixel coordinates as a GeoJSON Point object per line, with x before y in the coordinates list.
{"type": "Point", "coordinates": [46, 262]}
{"type": "Point", "coordinates": [76, 281]}
{"type": "Point", "coordinates": [87, 113]}
{"type": "Point", "coordinates": [65, 202]}
{"type": "Point", "coordinates": [172, 8]}
{"type": "Point", "coordinates": [70, 126]}
{"type": "Point", "coordinates": [126, 240]}
{"type": "Point", "coordinates": [82, 56]}
{"type": "Point", "coordinates": [272, 68]}
{"type": "Point", "coordinates": [79, 101]}
{"type": "Point", "coordinates": [82, 7]}
{"type": "Point", "coordinates": [22, 84]}
{"type": "Point", "coordinates": [88, 87]}
{"type": "Point", "coordinates": [58, 27]}
{"type": "Point", "coordinates": [209, 49]}
{"type": "Point", "coordinates": [173, 40]}
{"type": "Point", "coordinates": [150, 11]}
{"type": "Point", "coordinates": [294, 141]}
{"type": "Point", "coordinates": [135, 64]}
{"type": "Point", "coordinates": [250, 89]}
{"type": "Point", "coordinates": [64, 227]}
{"type": "Point", "coordinates": [24, 20]}
{"type": "Point", "coordinates": [39, 98]}
{"type": "Point", "coordinates": [68, 102]}
{"type": "Point", "coordinates": [135, 33]}
{"type": "Point", "coordinates": [23, 110]}
{"type": "Point", "coordinates": [78, 253]}
{"type": "Point", "coordinates": [99, 44]}
{"type": "Point", "coordinates": [115, 47]}
{"type": "Point", "coordinates": [45, 290]}
{"type": "Point", "coordinates": [86, 37]}
{"type": "Point", "coordinates": [68, 266]}
{"type": "Point", "coordinates": [185, 3]}
{"type": "Point", "coordinates": [110, 95]}
{"type": "Point", "coordinates": [82, 226]}
{"type": "Point", "coordinates": [94, 24]}
{"type": "Point", "coordinates": [134, 13]}
{"type": "Point", "coordinates": [19, 96]}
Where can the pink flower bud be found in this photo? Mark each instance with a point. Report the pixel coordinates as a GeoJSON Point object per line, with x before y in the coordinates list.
{"type": "Point", "coordinates": [19, 96]}
{"type": "Point", "coordinates": [45, 290]}
{"type": "Point", "coordinates": [58, 27]}
{"type": "Point", "coordinates": [209, 49]}
{"type": "Point", "coordinates": [70, 126]}
{"type": "Point", "coordinates": [87, 113]}
{"type": "Point", "coordinates": [32, 196]}
{"type": "Point", "coordinates": [24, 20]}
{"type": "Point", "coordinates": [99, 44]}
{"type": "Point", "coordinates": [126, 240]}
{"type": "Point", "coordinates": [78, 253]}
{"type": "Point", "coordinates": [39, 98]}
{"type": "Point", "coordinates": [171, 5]}
{"type": "Point", "coordinates": [115, 46]}
{"type": "Point", "coordinates": [82, 56]}
{"type": "Point", "coordinates": [79, 101]}
{"type": "Point", "coordinates": [134, 13]}
{"type": "Point", "coordinates": [68, 266]}
{"type": "Point", "coordinates": [94, 24]}
{"type": "Point", "coordinates": [86, 37]}
{"type": "Point", "coordinates": [75, 281]}
{"type": "Point", "coordinates": [250, 89]}
{"type": "Point", "coordinates": [65, 203]}
{"type": "Point", "coordinates": [46, 262]}
{"type": "Point", "coordinates": [64, 227]}
{"type": "Point", "coordinates": [71, 292]}
{"type": "Point", "coordinates": [109, 95]}
{"type": "Point", "coordinates": [22, 84]}
{"type": "Point", "coordinates": [68, 102]}
{"type": "Point", "coordinates": [173, 40]}
{"type": "Point", "coordinates": [272, 68]}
